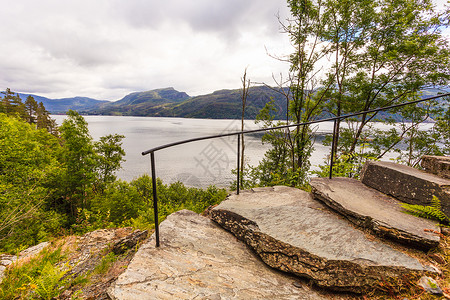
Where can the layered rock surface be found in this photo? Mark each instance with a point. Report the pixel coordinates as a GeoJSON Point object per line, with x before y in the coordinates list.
{"type": "Point", "coordinates": [199, 260]}
{"type": "Point", "coordinates": [292, 232]}
{"type": "Point", "coordinates": [369, 208]}
{"type": "Point", "coordinates": [90, 250]}
{"type": "Point", "coordinates": [438, 165]}
{"type": "Point", "coordinates": [406, 184]}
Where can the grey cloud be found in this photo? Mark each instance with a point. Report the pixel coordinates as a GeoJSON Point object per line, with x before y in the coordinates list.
{"type": "Point", "coordinates": [73, 47]}
{"type": "Point", "coordinates": [80, 47]}
{"type": "Point", "coordinates": [224, 16]}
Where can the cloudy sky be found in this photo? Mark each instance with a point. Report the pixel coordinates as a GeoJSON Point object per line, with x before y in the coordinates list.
{"type": "Point", "coordinates": [105, 49]}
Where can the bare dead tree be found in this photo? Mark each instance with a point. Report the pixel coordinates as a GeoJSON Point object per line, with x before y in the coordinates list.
{"type": "Point", "coordinates": [244, 95]}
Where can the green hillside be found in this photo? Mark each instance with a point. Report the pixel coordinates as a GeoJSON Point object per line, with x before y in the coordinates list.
{"type": "Point", "coordinates": [140, 103]}
{"type": "Point", "coordinates": [223, 104]}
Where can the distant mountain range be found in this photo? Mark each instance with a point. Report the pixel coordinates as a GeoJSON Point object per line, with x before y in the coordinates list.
{"type": "Point", "coordinates": [64, 104]}
{"type": "Point", "coordinates": [168, 102]}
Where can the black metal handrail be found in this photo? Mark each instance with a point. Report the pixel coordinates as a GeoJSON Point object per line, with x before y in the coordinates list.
{"type": "Point", "coordinates": [240, 133]}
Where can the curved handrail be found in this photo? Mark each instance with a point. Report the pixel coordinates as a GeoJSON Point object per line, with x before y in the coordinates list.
{"type": "Point", "coordinates": [335, 119]}
{"type": "Point", "coordinates": [290, 125]}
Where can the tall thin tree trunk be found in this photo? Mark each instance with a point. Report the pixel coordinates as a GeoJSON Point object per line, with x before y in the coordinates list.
{"type": "Point", "coordinates": [245, 87]}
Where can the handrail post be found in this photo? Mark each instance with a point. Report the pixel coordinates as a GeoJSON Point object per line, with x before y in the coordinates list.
{"type": "Point", "coordinates": [333, 147]}
{"type": "Point", "coordinates": [155, 197]}
{"type": "Point", "coordinates": [238, 163]}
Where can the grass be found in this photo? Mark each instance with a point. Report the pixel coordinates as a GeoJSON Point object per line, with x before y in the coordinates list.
{"type": "Point", "coordinates": [106, 262]}
{"type": "Point", "coordinates": [46, 275]}
{"type": "Point", "coordinates": [38, 278]}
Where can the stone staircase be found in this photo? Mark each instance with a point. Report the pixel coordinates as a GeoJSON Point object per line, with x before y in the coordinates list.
{"type": "Point", "coordinates": [328, 236]}
{"type": "Point", "coordinates": [320, 235]}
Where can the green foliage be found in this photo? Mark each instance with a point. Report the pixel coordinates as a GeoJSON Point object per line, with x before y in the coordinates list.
{"type": "Point", "coordinates": [45, 177]}
{"type": "Point", "coordinates": [54, 185]}
{"type": "Point", "coordinates": [110, 156]}
{"type": "Point", "coordinates": [287, 161]}
{"type": "Point", "coordinates": [29, 111]}
{"type": "Point", "coordinates": [119, 202]}
{"type": "Point", "coordinates": [28, 164]}
{"type": "Point", "coordinates": [379, 53]}
{"type": "Point", "coordinates": [105, 263]}
{"type": "Point", "coordinates": [433, 212]}
{"type": "Point", "coordinates": [79, 158]}
{"type": "Point", "coordinates": [384, 53]}
{"type": "Point", "coordinates": [345, 166]}
{"type": "Point", "coordinates": [89, 165]}
{"type": "Point", "coordinates": [38, 278]}
{"type": "Point", "coordinates": [47, 284]}
{"type": "Point", "coordinates": [131, 204]}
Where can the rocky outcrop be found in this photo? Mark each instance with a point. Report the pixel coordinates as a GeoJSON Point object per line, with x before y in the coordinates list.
{"type": "Point", "coordinates": [369, 208]}
{"type": "Point", "coordinates": [293, 233]}
{"type": "Point", "coordinates": [86, 253]}
{"type": "Point", "coordinates": [94, 245]}
{"type": "Point", "coordinates": [438, 165]}
{"type": "Point", "coordinates": [7, 260]}
{"type": "Point", "coordinates": [199, 260]}
{"type": "Point", "coordinates": [406, 184]}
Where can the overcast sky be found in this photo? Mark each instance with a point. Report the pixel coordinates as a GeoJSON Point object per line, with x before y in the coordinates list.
{"type": "Point", "coordinates": [105, 49]}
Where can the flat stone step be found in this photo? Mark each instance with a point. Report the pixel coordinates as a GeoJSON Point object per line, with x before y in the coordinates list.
{"type": "Point", "coordinates": [294, 233]}
{"type": "Point", "coordinates": [438, 165]}
{"type": "Point", "coordinates": [199, 260]}
{"type": "Point", "coordinates": [406, 184]}
{"type": "Point", "coordinates": [371, 209]}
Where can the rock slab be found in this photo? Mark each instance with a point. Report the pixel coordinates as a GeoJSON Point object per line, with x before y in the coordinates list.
{"type": "Point", "coordinates": [406, 183]}
{"type": "Point", "coordinates": [199, 260]}
{"type": "Point", "coordinates": [294, 233]}
{"type": "Point", "coordinates": [371, 209]}
{"type": "Point", "coordinates": [438, 165]}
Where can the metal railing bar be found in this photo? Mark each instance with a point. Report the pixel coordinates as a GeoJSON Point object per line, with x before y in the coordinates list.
{"type": "Point", "coordinates": [241, 133]}
{"type": "Point", "coordinates": [333, 147]}
{"type": "Point", "coordinates": [155, 197]}
{"type": "Point", "coordinates": [238, 179]}
{"type": "Point", "coordinates": [290, 125]}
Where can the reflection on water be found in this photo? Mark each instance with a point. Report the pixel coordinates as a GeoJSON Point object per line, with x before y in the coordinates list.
{"type": "Point", "coordinates": [196, 164]}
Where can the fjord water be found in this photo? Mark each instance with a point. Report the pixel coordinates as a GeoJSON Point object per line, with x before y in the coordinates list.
{"type": "Point", "coordinates": [195, 164]}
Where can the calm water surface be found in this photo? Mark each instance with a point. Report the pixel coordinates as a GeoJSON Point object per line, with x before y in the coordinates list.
{"type": "Point", "coordinates": [196, 164]}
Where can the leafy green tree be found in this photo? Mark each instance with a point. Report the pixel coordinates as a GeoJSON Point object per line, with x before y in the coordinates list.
{"type": "Point", "coordinates": [385, 52]}
{"type": "Point", "coordinates": [89, 166]}
{"type": "Point", "coordinates": [274, 164]}
{"type": "Point", "coordinates": [356, 55]}
{"type": "Point", "coordinates": [291, 149]}
{"type": "Point", "coordinates": [442, 127]}
{"type": "Point", "coordinates": [110, 156]}
{"type": "Point", "coordinates": [29, 111]}
{"type": "Point", "coordinates": [79, 157]}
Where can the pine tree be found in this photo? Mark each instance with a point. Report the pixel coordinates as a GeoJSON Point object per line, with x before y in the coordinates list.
{"type": "Point", "coordinates": [31, 108]}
